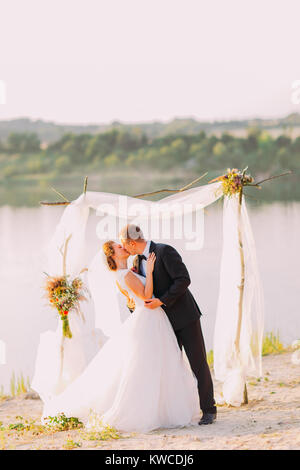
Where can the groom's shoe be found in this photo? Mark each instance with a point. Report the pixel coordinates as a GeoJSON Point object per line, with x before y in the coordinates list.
{"type": "Point", "coordinates": [208, 418]}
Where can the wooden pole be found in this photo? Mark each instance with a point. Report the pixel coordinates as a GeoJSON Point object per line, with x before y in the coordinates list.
{"type": "Point", "coordinates": [66, 202]}
{"type": "Point", "coordinates": [241, 286]}
{"type": "Point", "coordinates": [58, 203]}
{"type": "Point", "coordinates": [60, 194]}
{"type": "Point", "coordinates": [63, 338]}
{"type": "Point", "coordinates": [85, 185]}
{"type": "Point", "coordinates": [65, 255]}
{"type": "Point", "coordinates": [184, 188]}
{"type": "Point", "coordinates": [270, 178]}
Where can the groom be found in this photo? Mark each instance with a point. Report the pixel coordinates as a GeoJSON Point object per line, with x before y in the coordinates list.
{"type": "Point", "coordinates": [170, 286]}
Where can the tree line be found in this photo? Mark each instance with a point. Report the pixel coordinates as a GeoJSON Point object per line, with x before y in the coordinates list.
{"type": "Point", "coordinates": [22, 153]}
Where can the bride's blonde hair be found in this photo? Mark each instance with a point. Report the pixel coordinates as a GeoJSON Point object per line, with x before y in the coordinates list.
{"type": "Point", "coordinates": [109, 251]}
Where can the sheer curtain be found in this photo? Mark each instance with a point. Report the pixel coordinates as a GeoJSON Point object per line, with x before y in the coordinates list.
{"type": "Point", "coordinates": [232, 366]}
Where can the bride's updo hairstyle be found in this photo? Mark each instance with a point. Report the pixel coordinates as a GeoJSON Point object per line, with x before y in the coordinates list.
{"type": "Point", "coordinates": [109, 251]}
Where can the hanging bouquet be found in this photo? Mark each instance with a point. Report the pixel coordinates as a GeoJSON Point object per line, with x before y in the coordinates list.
{"type": "Point", "coordinates": [65, 296]}
{"type": "Point", "coordinates": [234, 180]}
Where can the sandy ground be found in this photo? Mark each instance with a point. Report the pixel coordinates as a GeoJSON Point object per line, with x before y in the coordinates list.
{"type": "Point", "coordinates": [271, 420]}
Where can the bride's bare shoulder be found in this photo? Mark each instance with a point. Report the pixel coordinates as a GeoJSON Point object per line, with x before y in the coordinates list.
{"type": "Point", "coordinates": [132, 280]}
{"type": "Point", "coordinates": [129, 274]}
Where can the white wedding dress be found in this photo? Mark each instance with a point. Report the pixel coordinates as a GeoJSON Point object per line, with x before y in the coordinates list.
{"type": "Point", "coordinates": [138, 381]}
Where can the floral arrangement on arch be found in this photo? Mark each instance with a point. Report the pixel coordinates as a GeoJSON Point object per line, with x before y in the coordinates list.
{"type": "Point", "coordinates": [65, 294]}
{"type": "Point", "coordinates": [234, 180]}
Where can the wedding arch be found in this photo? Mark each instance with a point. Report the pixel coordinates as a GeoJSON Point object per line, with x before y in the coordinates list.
{"type": "Point", "coordinates": [238, 333]}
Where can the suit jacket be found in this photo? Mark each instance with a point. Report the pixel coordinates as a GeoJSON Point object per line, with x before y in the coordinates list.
{"type": "Point", "coordinates": [170, 284]}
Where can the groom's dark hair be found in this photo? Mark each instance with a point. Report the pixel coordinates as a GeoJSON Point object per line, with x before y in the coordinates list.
{"type": "Point", "coordinates": [131, 232]}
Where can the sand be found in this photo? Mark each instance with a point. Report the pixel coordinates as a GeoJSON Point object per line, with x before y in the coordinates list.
{"type": "Point", "coordinates": [271, 420]}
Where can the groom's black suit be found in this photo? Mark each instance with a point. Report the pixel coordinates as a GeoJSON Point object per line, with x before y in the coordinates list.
{"type": "Point", "coordinates": [170, 284]}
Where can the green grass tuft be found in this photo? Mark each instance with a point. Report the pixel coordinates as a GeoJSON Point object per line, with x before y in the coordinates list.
{"type": "Point", "coordinates": [105, 434]}
{"type": "Point", "coordinates": [70, 444]}
{"type": "Point", "coordinates": [272, 345]}
{"type": "Point", "coordinates": [18, 385]}
{"type": "Point", "coordinates": [62, 423]}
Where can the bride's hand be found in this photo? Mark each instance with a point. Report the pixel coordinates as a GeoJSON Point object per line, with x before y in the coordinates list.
{"type": "Point", "coordinates": [150, 263]}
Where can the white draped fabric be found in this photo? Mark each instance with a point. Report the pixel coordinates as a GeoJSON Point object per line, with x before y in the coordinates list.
{"type": "Point", "coordinates": [129, 207]}
{"type": "Point", "coordinates": [61, 360]}
{"type": "Point", "coordinates": [73, 222]}
{"type": "Point", "coordinates": [230, 367]}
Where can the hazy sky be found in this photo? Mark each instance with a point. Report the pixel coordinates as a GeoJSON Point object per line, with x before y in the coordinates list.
{"type": "Point", "coordinates": [84, 61]}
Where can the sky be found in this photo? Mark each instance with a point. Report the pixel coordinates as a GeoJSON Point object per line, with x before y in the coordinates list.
{"type": "Point", "coordinates": [97, 61]}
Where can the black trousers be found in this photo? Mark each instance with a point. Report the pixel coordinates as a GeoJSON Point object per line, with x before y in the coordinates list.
{"type": "Point", "coordinates": [191, 339]}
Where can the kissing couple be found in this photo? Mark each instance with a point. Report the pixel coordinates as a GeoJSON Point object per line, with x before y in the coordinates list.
{"type": "Point", "coordinates": [140, 380]}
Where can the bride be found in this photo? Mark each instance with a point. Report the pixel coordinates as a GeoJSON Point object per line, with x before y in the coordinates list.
{"type": "Point", "coordinates": [139, 380]}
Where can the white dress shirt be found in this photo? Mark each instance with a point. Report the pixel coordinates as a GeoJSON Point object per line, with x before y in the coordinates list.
{"type": "Point", "coordinates": [144, 262]}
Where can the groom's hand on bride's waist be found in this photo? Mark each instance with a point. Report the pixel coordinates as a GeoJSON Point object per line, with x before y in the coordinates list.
{"type": "Point", "coordinates": [152, 303]}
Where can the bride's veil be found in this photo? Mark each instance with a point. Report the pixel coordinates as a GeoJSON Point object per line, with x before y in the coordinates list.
{"type": "Point", "coordinates": [102, 285]}
{"type": "Point", "coordinates": [101, 281]}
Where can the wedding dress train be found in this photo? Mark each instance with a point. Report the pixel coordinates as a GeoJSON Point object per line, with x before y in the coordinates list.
{"type": "Point", "coordinates": [138, 381]}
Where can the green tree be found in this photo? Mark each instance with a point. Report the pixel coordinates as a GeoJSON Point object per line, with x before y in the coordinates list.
{"type": "Point", "coordinates": [36, 164]}
{"type": "Point", "coordinates": [219, 149]}
{"type": "Point", "coordinates": [101, 145]}
{"type": "Point", "coordinates": [63, 163]}
{"type": "Point", "coordinates": [283, 141]}
{"type": "Point", "coordinates": [23, 142]}
{"type": "Point", "coordinates": [111, 160]}
{"type": "Point", "coordinates": [75, 147]}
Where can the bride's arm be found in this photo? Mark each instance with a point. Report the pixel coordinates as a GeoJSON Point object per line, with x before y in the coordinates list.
{"type": "Point", "coordinates": [144, 292]}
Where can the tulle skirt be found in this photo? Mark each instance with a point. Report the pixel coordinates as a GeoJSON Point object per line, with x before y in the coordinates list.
{"type": "Point", "coordinates": [59, 360]}
{"type": "Point", "coordinates": [138, 381]}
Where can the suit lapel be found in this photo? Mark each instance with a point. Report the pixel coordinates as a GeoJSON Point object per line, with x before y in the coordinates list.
{"type": "Point", "coordinates": [152, 247]}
